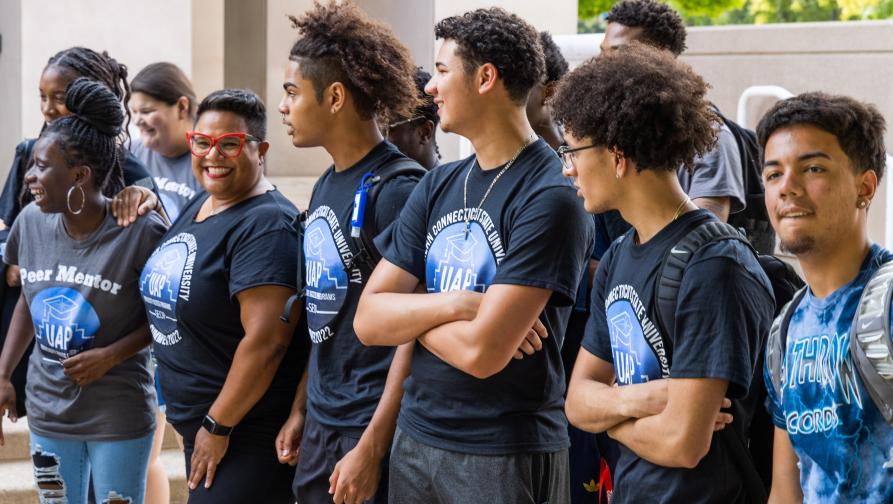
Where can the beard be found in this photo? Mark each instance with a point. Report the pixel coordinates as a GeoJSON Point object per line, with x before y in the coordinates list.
{"type": "Point", "coordinates": [797, 246]}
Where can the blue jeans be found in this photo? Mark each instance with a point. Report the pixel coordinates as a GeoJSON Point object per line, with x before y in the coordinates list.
{"type": "Point", "coordinates": [62, 468]}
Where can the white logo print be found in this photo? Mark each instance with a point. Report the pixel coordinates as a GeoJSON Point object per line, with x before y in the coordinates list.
{"type": "Point", "coordinates": [457, 270]}
{"type": "Point", "coordinates": [675, 250]}
{"type": "Point", "coordinates": [623, 325]}
{"type": "Point", "coordinates": [316, 269]}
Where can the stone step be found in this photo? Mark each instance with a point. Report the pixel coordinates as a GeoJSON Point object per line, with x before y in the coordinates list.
{"type": "Point", "coordinates": [16, 440]}
{"type": "Point", "coordinates": [17, 480]}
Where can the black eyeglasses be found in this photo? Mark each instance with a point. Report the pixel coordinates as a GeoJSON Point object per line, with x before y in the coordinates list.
{"type": "Point", "coordinates": [405, 121]}
{"type": "Point", "coordinates": [567, 154]}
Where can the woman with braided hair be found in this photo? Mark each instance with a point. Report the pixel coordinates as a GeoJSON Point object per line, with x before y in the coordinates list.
{"type": "Point", "coordinates": [61, 69]}
{"type": "Point", "coordinates": [89, 394]}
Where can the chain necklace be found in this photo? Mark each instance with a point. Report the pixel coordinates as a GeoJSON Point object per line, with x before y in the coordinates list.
{"type": "Point", "coordinates": [487, 193]}
{"type": "Point", "coordinates": [681, 207]}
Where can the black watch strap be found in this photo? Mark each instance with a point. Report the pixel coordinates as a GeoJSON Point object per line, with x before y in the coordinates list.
{"type": "Point", "coordinates": [215, 428]}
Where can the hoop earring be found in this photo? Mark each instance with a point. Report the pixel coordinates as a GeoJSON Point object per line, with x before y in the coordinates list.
{"type": "Point", "coordinates": [83, 199]}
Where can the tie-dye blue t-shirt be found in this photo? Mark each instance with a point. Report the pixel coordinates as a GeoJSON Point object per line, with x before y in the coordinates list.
{"type": "Point", "coordinates": [844, 445]}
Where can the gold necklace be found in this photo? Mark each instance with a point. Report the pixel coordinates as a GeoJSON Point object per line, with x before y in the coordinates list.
{"type": "Point", "coordinates": [680, 208]}
{"type": "Point", "coordinates": [487, 193]}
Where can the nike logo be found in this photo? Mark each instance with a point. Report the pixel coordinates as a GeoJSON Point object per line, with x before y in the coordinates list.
{"type": "Point", "coordinates": [866, 325]}
{"type": "Point", "coordinates": [675, 250]}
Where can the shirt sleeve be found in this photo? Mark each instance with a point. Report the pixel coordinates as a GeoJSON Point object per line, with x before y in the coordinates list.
{"type": "Point", "coordinates": [403, 242]}
{"type": "Point", "coordinates": [719, 328]}
{"type": "Point", "coordinates": [391, 200]}
{"type": "Point", "coordinates": [549, 245]}
{"type": "Point", "coordinates": [267, 258]}
{"type": "Point", "coordinates": [718, 173]}
{"type": "Point", "coordinates": [596, 338]}
{"type": "Point", "coordinates": [151, 232]}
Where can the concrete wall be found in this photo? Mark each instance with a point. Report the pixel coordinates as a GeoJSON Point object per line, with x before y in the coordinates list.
{"type": "Point", "coordinates": [10, 80]}
{"type": "Point", "coordinates": [855, 59]}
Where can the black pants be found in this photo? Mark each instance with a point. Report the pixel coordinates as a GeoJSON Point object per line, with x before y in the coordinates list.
{"type": "Point", "coordinates": [321, 449]}
{"type": "Point", "coordinates": [249, 471]}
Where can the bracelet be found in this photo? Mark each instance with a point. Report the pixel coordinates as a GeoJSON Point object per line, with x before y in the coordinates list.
{"type": "Point", "coordinates": [215, 428]}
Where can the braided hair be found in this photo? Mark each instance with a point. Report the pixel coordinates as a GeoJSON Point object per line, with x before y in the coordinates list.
{"type": "Point", "coordinates": [83, 62]}
{"type": "Point", "coordinates": [91, 134]}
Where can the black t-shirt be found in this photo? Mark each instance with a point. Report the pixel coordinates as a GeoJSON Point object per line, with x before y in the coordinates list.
{"type": "Point", "coordinates": [531, 231]}
{"type": "Point", "coordinates": [724, 310]}
{"type": "Point", "coordinates": [346, 379]}
{"type": "Point", "coordinates": [189, 287]}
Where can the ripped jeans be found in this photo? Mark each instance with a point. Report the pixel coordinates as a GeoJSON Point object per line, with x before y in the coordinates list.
{"type": "Point", "coordinates": [62, 468]}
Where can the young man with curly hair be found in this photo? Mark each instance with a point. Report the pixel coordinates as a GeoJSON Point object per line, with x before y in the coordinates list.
{"type": "Point", "coordinates": [345, 74]}
{"type": "Point", "coordinates": [715, 181]}
{"type": "Point", "coordinates": [823, 158]}
{"type": "Point", "coordinates": [631, 117]}
{"type": "Point", "coordinates": [499, 241]}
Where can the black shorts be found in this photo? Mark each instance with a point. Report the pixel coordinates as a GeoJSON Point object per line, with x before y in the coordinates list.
{"type": "Point", "coordinates": [321, 449]}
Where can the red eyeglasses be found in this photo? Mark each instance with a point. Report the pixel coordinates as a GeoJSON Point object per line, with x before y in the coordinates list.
{"type": "Point", "coordinates": [229, 145]}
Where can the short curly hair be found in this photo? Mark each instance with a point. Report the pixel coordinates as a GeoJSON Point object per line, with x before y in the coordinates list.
{"type": "Point", "coordinates": [496, 36]}
{"type": "Point", "coordinates": [641, 101]}
{"type": "Point", "coordinates": [859, 127]}
{"type": "Point", "coordinates": [338, 43]}
{"type": "Point", "coordinates": [243, 102]}
{"type": "Point", "coordinates": [427, 108]}
{"type": "Point", "coordinates": [556, 64]}
{"type": "Point", "coordinates": [660, 24]}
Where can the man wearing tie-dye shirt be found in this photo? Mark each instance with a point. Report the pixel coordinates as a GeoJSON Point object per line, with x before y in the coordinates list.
{"type": "Point", "coordinates": [823, 157]}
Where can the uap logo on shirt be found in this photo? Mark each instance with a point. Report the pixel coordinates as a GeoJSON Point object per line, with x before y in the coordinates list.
{"type": "Point", "coordinates": [65, 323]}
{"type": "Point", "coordinates": [635, 360]}
{"type": "Point", "coordinates": [457, 261]}
{"type": "Point", "coordinates": [167, 278]}
{"type": "Point", "coordinates": [326, 280]}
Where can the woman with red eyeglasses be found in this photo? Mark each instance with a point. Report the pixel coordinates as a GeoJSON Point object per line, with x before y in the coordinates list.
{"type": "Point", "coordinates": [214, 290]}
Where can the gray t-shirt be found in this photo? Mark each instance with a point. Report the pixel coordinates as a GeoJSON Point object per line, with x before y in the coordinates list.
{"type": "Point", "coordinates": [84, 294]}
{"type": "Point", "coordinates": [716, 174]}
{"type": "Point", "coordinates": [173, 176]}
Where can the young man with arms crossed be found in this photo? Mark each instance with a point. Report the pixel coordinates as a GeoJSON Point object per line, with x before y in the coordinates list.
{"type": "Point", "coordinates": [476, 425]}
{"type": "Point", "coordinates": [823, 158]}
{"type": "Point", "coordinates": [631, 117]}
{"type": "Point", "coordinates": [344, 75]}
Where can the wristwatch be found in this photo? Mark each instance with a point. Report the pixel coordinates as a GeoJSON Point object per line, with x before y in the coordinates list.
{"type": "Point", "coordinates": [215, 428]}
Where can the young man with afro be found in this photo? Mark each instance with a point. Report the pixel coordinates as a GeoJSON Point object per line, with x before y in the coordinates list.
{"type": "Point", "coordinates": [345, 75]}
{"type": "Point", "coordinates": [499, 241]}
{"type": "Point", "coordinates": [715, 180]}
{"type": "Point", "coordinates": [631, 117]}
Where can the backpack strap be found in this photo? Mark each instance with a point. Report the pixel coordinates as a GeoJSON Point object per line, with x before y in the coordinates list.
{"type": "Point", "coordinates": [870, 343]}
{"type": "Point", "coordinates": [676, 259]}
{"type": "Point", "coordinates": [777, 341]}
{"type": "Point", "coordinates": [298, 224]}
{"type": "Point", "coordinates": [364, 229]}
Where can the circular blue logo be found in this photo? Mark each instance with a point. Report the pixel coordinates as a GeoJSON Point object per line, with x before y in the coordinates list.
{"type": "Point", "coordinates": [165, 279]}
{"type": "Point", "coordinates": [64, 321]}
{"type": "Point", "coordinates": [325, 278]}
{"type": "Point", "coordinates": [457, 261]}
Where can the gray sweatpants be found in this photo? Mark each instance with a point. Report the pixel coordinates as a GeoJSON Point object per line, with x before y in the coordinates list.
{"type": "Point", "coordinates": [421, 474]}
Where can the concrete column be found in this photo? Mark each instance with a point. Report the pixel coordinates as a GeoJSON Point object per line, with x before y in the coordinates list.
{"type": "Point", "coordinates": [10, 81]}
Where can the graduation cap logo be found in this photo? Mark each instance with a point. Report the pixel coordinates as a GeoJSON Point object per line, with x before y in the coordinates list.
{"type": "Point", "coordinates": [623, 326]}
{"type": "Point", "coordinates": [170, 258]}
{"type": "Point", "coordinates": [461, 249]}
{"type": "Point", "coordinates": [315, 238]}
{"type": "Point", "coordinates": [59, 308]}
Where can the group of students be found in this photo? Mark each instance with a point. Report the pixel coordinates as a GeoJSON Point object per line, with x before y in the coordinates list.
{"type": "Point", "coordinates": [407, 337]}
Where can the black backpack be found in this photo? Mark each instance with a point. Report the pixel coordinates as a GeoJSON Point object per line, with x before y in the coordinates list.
{"type": "Point", "coordinates": [367, 254]}
{"type": "Point", "coordinates": [754, 219]}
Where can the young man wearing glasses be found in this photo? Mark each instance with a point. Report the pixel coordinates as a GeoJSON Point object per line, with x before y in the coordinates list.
{"type": "Point", "coordinates": [631, 117]}
{"type": "Point", "coordinates": [344, 73]}
{"type": "Point", "coordinates": [500, 242]}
